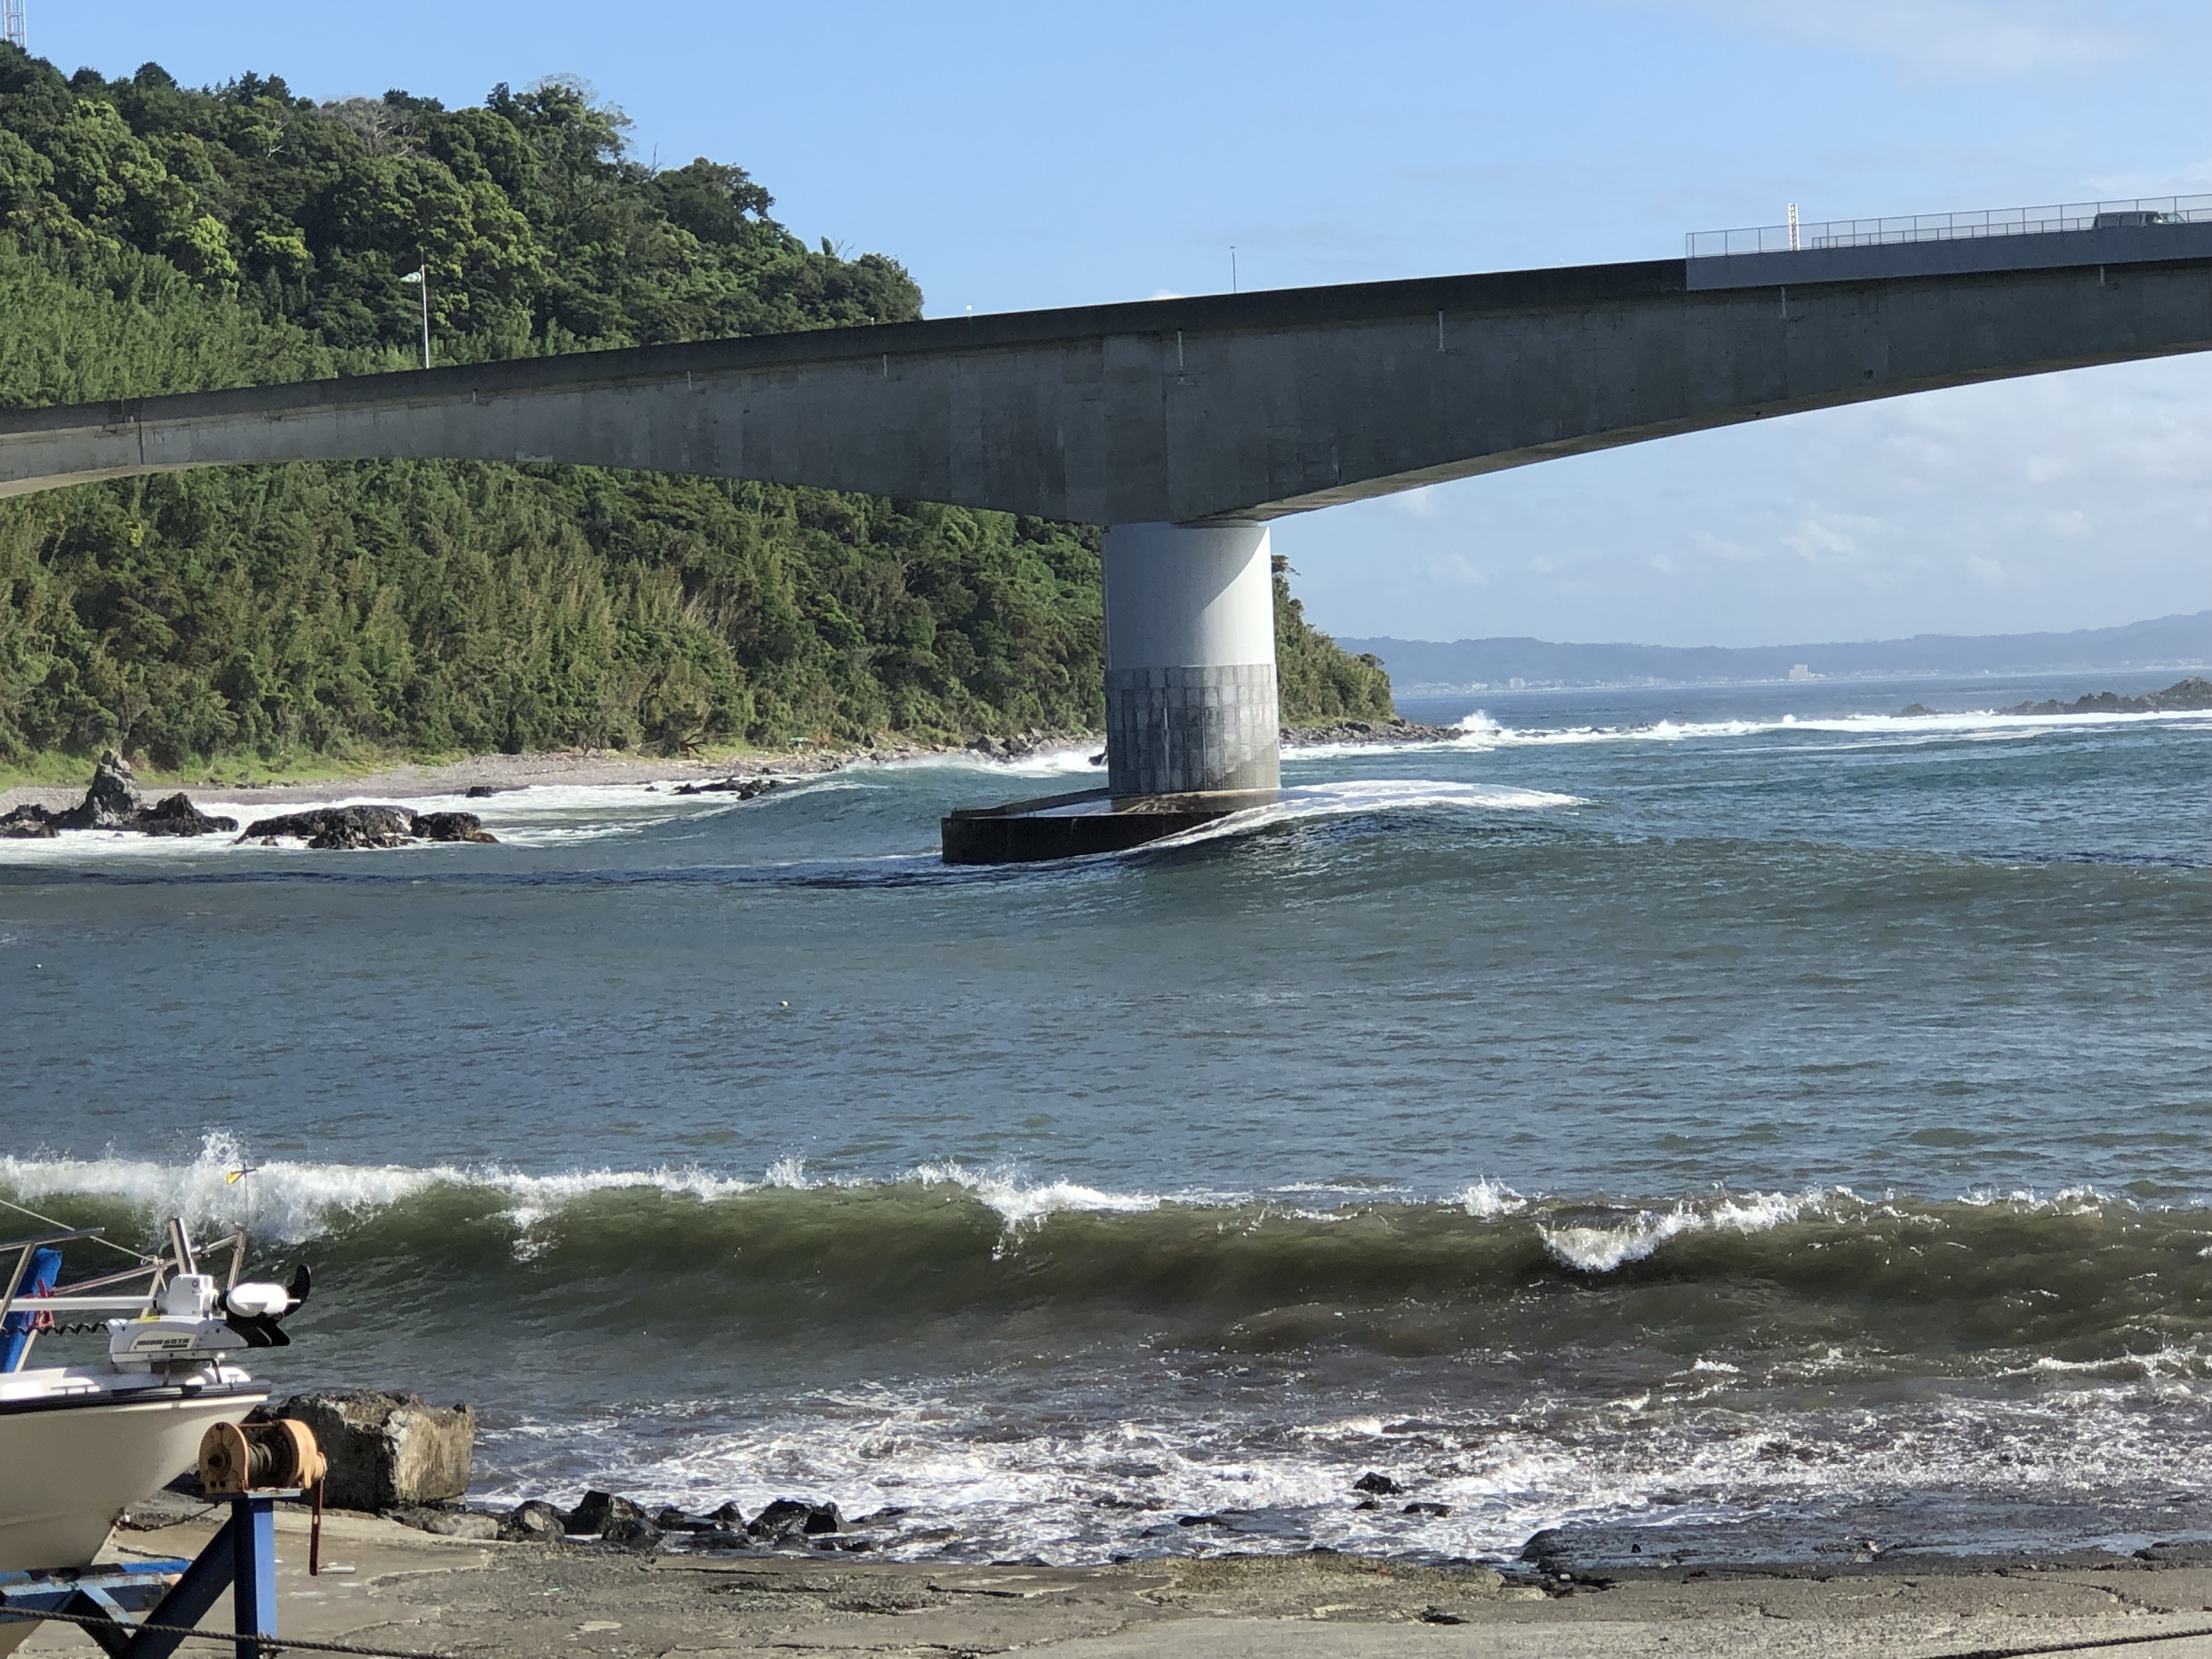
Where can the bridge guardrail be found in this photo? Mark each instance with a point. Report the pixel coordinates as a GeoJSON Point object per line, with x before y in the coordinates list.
{"type": "Point", "coordinates": [1949, 226]}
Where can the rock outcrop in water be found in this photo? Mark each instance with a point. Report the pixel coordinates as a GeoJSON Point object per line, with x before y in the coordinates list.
{"type": "Point", "coordinates": [2191, 696]}
{"type": "Point", "coordinates": [743, 789]}
{"type": "Point", "coordinates": [352, 828]}
{"type": "Point", "coordinates": [113, 803]}
{"type": "Point", "coordinates": [1366, 732]}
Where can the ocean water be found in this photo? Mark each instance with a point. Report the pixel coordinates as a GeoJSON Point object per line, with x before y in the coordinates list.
{"type": "Point", "coordinates": [1742, 1122]}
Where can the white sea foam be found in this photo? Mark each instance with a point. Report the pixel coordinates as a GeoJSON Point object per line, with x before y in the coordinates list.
{"type": "Point", "coordinates": [1479, 731]}
{"type": "Point", "coordinates": [1605, 1248]}
{"type": "Point", "coordinates": [1487, 1200]}
{"type": "Point", "coordinates": [1024, 1204]}
{"type": "Point", "coordinates": [286, 1203]}
{"type": "Point", "coordinates": [1024, 1470]}
{"type": "Point", "coordinates": [1362, 796]}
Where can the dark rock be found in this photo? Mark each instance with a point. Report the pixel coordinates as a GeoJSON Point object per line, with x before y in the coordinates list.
{"type": "Point", "coordinates": [481, 791]}
{"type": "Point", "coordinates": [387, 1450]}
{"type": "Point", "coordinates": [1251, 1523]}
{"type": "Point", "coordinates": [31, 823]}
{"type": "Point", "coordinates": [1420, 1506]}
{"type": "Point", "coordinates": [534, 1521]}
{"type": "Point", "coordinates": [1369, 731]}
{"type": "Point", "coordinates": [112, 801]}
{"type": "Point", "coordinates": [1547, 1548]}
{"type": "Point", "coordinates": [1440, 1616]}
{"type": "Point", "coordinates": [1915, 711]}
{"type": "Point", "coordinates": [669, 1518]}
{"type": "Point", "coordinates": [728, 1515]}
{"type": "Point", "coordinates": [177, 815]}
{"type": "Point", "coordinates": [451, 826]}
{"type": "Point", "coordinates": [793, 1517]}
{"type": "Point", "coordinates": [632, 1534]}
{"type": "Point", "coordinates": [2191, 695]}
{"type": "Point", "coordinates": [1380, 1485]}
{"type": "Point", "coordinates": [448, 1522]}
{"type": "Point", "coordinates": [600, 1509]}
{"type": "Point", "coordinates": [340, 828]}
{"type": "Point", "coordinates": [743, 789]}
{"type": "Point", "coordinates": [880, 1518]}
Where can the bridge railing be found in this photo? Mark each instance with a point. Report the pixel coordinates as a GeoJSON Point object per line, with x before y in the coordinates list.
{"type": "Point", "coordinates": [1950, 227]}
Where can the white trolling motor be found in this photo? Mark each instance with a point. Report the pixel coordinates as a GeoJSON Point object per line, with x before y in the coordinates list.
{"type": "Point", "coordinates": [194, 1318]}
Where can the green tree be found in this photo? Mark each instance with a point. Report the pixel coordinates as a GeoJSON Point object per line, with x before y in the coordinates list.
{"type": "Point", "coordinates": [155, 238]}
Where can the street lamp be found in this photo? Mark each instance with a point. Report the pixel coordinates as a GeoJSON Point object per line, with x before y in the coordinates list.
{"type": "Point", "coordinates": [421, 278]}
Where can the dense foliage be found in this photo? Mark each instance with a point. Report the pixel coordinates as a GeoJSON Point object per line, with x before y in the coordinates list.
{"type": "Point", "coordinates": [1317, 680]}
{"type": "Point", "coordinates": [157, 239]}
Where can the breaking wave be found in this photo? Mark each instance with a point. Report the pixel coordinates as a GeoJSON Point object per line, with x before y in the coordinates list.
{"type": "Point", "coordinates": [1479, 730]}
{"type": "Point", "coordinates": [2076, 1279]}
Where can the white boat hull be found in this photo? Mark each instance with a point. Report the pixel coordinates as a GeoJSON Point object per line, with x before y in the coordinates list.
{"type": "Point", "coordinates": [70, 1464]}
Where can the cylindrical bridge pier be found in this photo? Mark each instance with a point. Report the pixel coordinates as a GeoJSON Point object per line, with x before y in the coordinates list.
{"type": "Point", "coordinates": [1193, 726]}
{"type": "Point", "coordinates": [1191, 661]}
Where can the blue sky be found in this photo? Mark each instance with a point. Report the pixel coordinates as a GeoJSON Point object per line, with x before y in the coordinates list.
{"type": "Point", "coordinates": [1041, 154]}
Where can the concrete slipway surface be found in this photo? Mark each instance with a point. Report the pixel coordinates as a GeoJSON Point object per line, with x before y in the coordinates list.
{"type": "Point", "coordinates": [398, 1589]}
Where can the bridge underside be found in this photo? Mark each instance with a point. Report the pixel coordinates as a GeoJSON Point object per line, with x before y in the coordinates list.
{"type": "Point", "coordinates": [1185, 425]}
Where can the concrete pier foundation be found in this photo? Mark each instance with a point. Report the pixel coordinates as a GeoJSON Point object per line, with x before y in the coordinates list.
{"type": "Point", "coordinates": [1193, 724]}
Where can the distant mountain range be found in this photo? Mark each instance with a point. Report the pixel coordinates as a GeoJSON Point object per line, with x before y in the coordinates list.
{"type": "Point", "coordinates": [1418, 666]}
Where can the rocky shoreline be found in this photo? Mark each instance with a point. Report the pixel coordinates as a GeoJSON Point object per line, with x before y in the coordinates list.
{"type": "Point", "coordinates": [1368, 732]}
{"type": "Point", "coordinates": [407, 1564]}
{"type": "Point", "coordinates": [114, 804]}
{"type": "Point", "coordinates": [385, 1586]}
{"type": "Point", "coordinates": [114, 801]}
{"type": "Point", "coordinates": [2189, 696]}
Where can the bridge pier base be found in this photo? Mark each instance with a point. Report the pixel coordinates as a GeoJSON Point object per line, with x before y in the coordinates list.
{"type": "Point", "coordinates": [1193, 724]}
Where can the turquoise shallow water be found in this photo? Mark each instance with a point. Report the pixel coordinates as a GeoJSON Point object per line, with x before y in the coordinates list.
{"type": "Point", "coordinates": [1737, 1110]}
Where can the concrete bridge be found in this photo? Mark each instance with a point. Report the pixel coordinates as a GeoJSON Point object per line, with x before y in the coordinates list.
{"type": "Point", "coordinates": [1185, 425]}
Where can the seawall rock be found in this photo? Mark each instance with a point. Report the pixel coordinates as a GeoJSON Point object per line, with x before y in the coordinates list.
{"type": "Point", "coordinates": [597, 1510]}
{"type": "Point", "coordinates": [387, 1450]}
{"type": "Point", "coordinates": [534, 1521]}
{"type": "Point", "coordinates": [448, 1522]}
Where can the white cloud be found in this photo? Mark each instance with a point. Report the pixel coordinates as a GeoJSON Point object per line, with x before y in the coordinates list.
{"type": "Point", "coordinates": [2055, 502]}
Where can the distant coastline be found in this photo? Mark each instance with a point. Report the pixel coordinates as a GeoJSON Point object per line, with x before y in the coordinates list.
{"type": "Point", "coordinates": [1419, 668]}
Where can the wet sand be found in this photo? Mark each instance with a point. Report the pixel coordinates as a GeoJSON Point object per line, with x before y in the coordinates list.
{"type": "Point", "coordinates": [408, 1590]}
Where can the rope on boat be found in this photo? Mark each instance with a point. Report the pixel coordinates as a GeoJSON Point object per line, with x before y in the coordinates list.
{"type": "Point", "coordinates": [2087, 1644]}
{"type": "Point", "coordinates": [267, 1644]}
{"type": "Point", "coordinates": [48, 1220]}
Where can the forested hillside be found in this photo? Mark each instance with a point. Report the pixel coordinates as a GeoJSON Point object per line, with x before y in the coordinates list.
{"type": "Point", "coordinates": [157, 239]}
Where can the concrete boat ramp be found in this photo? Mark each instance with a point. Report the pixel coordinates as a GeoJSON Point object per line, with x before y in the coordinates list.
{"type": "Point", "coordinates": [396, 1588]}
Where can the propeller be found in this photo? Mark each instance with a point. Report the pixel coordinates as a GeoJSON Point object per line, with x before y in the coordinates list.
{"type": "Point", "coordinates": [257, 1312]}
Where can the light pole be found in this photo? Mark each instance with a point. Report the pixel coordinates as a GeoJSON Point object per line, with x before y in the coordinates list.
{"type": "Point", "coordinates": [421, 278]}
